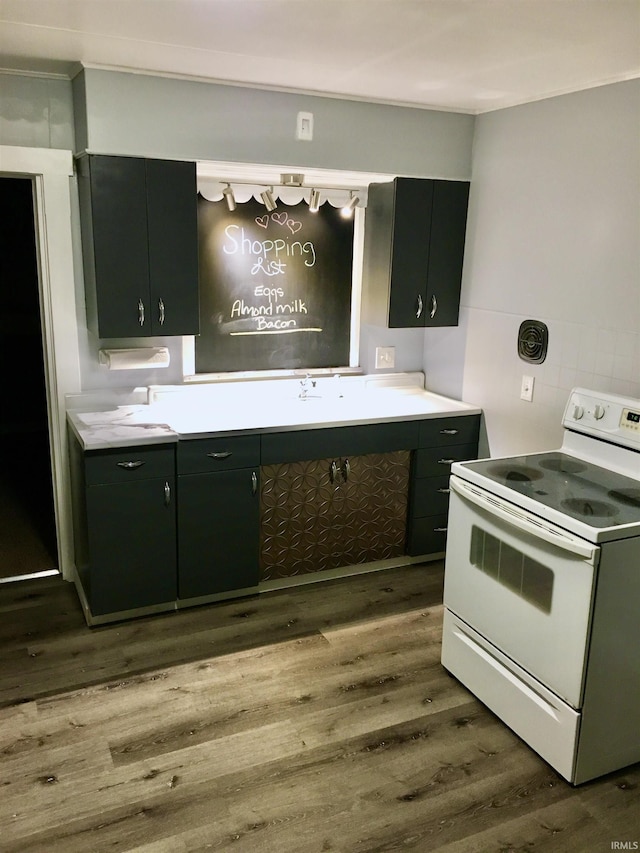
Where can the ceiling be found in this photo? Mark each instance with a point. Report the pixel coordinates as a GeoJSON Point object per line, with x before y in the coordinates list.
{"type": "Point", "coordinates": [469, 56]}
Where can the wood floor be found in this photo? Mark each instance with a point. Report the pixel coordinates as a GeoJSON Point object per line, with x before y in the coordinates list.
{"type": "Point", "coordinates": [309, 720]}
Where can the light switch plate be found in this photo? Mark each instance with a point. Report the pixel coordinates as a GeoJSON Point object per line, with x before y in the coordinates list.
{"type": "Point", "coordinates": [526, 389]}
{"type": "Point", "coordinates": [385, 357]}
{"type": "Point", "coordinates": [304, 127]}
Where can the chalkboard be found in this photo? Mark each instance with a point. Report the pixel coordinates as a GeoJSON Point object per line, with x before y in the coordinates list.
{"type": "Point", "coordinates": [275, 288]}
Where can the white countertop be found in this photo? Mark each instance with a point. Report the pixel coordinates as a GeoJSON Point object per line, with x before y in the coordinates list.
{"type": "Point", "coordinates": [195, 411]}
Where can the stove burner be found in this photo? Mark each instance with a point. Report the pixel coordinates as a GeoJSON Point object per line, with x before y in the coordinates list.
{"type": "Point", "coordinates": [516, 473]}
{"type": "Point", "coordinates": [588, 508]}
{"type": "Point", "coordinates": [564, 466]}
{"type": "Point", "coordinates": [629, 497]}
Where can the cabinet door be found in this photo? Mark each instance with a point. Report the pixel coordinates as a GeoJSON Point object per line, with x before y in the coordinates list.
{"type": "Point", "coordinates": [171, 195]}
{"type": "Point", "coordinates": [410, 252]}
{"type": "Point", "coordinates": [218, 518]}
{"type": "Point", "coordinates": [329, 513]}
{"type": "Point", "coordinates": [446, 252]}
{"type": "Point", "coordinates": [132, 545]}
{"type": "Point", "coordinates": [118, 229]}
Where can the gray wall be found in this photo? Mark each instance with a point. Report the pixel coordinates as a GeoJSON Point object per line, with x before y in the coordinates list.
{"type": "Point", "coordinates": [36, 112]}
{"type": "Point", "coordinates": [553, 234]}
{"type": "Point", "coordinates": [134, 114]}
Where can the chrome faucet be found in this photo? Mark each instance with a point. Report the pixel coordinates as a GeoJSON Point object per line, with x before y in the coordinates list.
{"type": "Point", "coordinates": [305, 384]}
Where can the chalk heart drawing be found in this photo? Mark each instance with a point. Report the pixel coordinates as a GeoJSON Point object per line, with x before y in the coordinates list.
{"type": "Point", "coordinates": [280, 218]}
{"type": "Point", "coordinates": [262, 221]}
{"type": "Point", "coordinates": [293, 226]}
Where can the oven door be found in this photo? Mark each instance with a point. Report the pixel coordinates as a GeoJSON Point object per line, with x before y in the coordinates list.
{"type": "Point", "coordinates": [523, 584]}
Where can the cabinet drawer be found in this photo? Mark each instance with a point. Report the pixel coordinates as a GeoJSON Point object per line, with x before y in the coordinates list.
{"type": "Point", "coordinates": [121, 465]}
{"type": "Point", "coordinates": [442, 431]}
{"type": "Point", "coordinates": [359, 440]}
{"type": "Point", "coordinates": [436, 461]}
{"type": "Point", "coordinates": [427, 535]}
{"type": "Point", "coordinates": [430, 496]}
{"type": "Point", "coordinates": [221, 453]}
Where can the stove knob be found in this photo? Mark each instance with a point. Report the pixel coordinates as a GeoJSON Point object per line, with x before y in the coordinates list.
{"type": "Point", "coordinates": [598, 412]}
{"type": "Point", "coordinates": [578, 412]}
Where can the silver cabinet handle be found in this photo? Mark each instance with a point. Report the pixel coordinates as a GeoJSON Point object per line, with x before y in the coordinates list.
{"type": "Point", "coordinates": [167, 494]}
{"type": "Point", "coordinates": [254, 483]}
{"type": "Point", "coordinates": [448, 432]}
{"type": "Point", "coordinates": [446, 461]}
{"type": "Point", "coordinates": [333, 470]}
{"type": "Point", "coordinates": [439, 529]}
{"type": "Point", "coordinates": [346, 469]}
{"type": "Point", "coordinates": [130, 465]}
{"type": "Point", "coordinates": [445, 491]}
{"type": "Point", "coordinates": [161, 312]}
{"type": "Point", "coordinates": [141, 312]}
{"type": "Point", "coordinates": [419, 307]}
{"type": "Point", "coordinates": [222, 454]}
{"type": "Point", "coordinates": [434, 307]}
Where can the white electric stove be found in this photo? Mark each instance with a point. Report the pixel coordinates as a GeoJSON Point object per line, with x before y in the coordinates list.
{"type": "Point", "coordinates": [542, 588]}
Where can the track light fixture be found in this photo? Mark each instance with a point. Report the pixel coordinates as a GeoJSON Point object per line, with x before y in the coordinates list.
{"type": "Point", "coordinates": [232, 190]}
{"type": "Point", "coordinates": [229, 197]}
{"type": "Point", "coordinates": [349, 207]}
{"type": "Point", "coordinates": [268, 199]}
{"type": "Point", "coordinates": [314, 201]}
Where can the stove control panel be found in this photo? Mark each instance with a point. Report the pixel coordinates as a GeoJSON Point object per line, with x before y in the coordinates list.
{"type": "Point", "coordinates": [607, 416]}
{"type": "Point", "coordinates": [630, 419]}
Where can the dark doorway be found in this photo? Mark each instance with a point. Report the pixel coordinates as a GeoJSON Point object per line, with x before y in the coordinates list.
{"type": "Point", "coordinates": [27, 520]}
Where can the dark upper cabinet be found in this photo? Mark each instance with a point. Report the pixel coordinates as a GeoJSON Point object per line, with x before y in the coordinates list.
{"type": "Point", "coordinates": [140, 246]}
{"type": "Point", "coordinates": [413, 252]}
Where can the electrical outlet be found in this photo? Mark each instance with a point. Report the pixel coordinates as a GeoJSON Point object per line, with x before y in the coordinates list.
{"type": "Point", "coordinates": [385, 357]}
{"type": "Point", "coordinates": [526, 389]}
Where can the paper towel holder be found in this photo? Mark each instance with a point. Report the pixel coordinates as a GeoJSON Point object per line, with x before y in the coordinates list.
{"type": "Point", "coordinates": [135, 358]}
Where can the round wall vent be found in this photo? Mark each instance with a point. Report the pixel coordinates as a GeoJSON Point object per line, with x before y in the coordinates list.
{"type": "Point", "coordinates": [533, 337]}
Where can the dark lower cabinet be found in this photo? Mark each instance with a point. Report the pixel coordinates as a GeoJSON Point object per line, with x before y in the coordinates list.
{"type": "Point", "coordinates": [443, 441]}
{"type": "Point", "coordinates": [132, 542]}
{"type": "Point", "coordinates": [124, 519]}
{"type": "Point", "coordinates": [218, 523]}
{"type": "Point", "coordinates": [218, 515]}
{"type": "Point", "coordinates": [160, 525]}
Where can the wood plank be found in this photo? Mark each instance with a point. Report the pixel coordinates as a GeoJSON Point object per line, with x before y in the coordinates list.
{"type": "Point", "coordinates": [312, 719]}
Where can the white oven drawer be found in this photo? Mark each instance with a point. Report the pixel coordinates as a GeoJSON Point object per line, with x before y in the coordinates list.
{"type": "Point", "coordinates": [538, 716]}
{"type": "Point", "coordinates": [529, 595]}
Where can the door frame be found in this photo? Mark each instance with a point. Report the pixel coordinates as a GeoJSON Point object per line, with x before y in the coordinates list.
{"type": "Point", "coordinates": [51, 171]}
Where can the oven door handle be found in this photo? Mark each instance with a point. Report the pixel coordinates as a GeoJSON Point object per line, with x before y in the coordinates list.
{"type": "Point", "coordinates": [517, 518]}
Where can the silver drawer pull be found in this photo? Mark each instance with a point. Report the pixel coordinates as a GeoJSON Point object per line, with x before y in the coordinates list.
{"type": "Point", "coordinates": [346, 470]}
{"type": "Point", "coordinates": [333, 470]}
{"type": "Point", "coordinates": [141, 312]}
{"type": "Point", "coordinates": [222, 454]}
{"type": "Point", "coordinates": [254, 483]}
{"type": "Point", "coordinates": [448, 432]}
{"type": "Point", "coordinates": [434, 307]}
{"type": "Point", "coordinates": [419, 307]}
{"type": "Point", "coordinates": [439, 529]}
{"type": "Point", "coordinates": [446, 461]}
{"type": "Point", "coordinates": [444, 491]}
{"type": "Point", "coordinates": [130, 465]}
{"type": "Point", "coordinates": [161, 312]}
{"type": "Point", "coordinates": [167, 494]}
